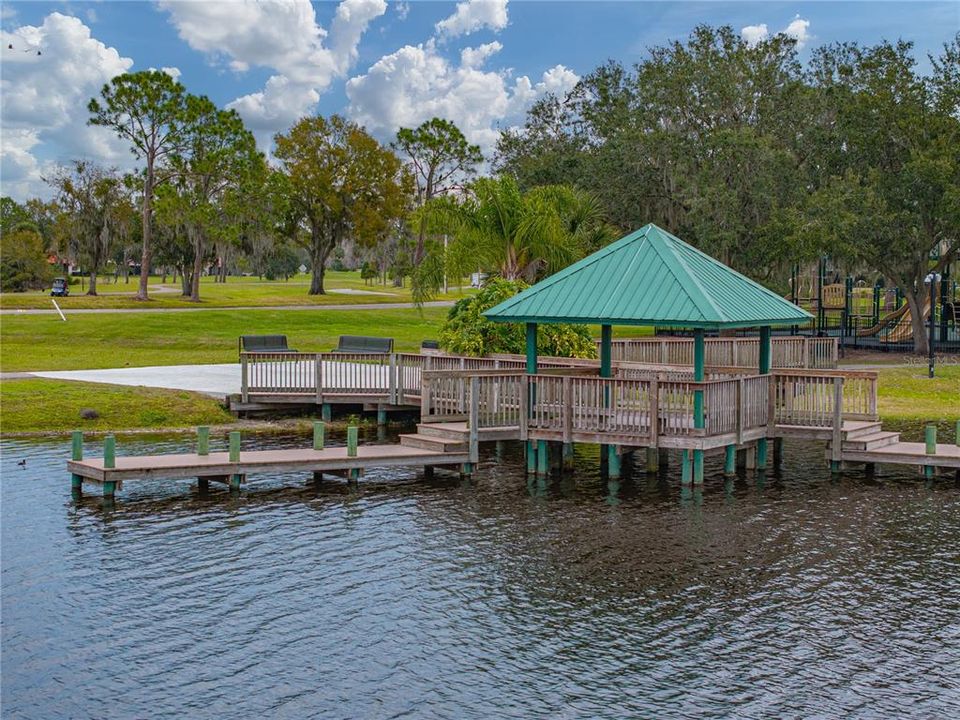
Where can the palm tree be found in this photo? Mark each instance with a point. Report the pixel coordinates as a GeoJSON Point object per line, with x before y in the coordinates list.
{"type": "Point", "coordinates": [506, 233]}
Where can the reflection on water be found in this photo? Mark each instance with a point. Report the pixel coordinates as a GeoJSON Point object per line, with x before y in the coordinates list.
{"type": "Point", "coordinates": [793, 596]}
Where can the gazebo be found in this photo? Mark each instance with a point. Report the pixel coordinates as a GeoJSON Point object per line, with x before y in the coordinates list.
{"type": "Point", "coordinates": [651, 278]}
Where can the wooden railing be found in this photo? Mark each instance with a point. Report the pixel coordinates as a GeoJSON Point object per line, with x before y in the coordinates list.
{"type": "Point", "coordinates": [640, 401]}
{"type": "Point", "coordinates": [564, 405]}
{"type": "Point", "coordinates": [822, 398]}
{"type": "Point", "coordinates": [786, 352]}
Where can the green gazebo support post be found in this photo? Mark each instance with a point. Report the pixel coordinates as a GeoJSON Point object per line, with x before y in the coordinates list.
{"type": "Point", "coordinates": [764, 370]}
{"type": "Point", "coordinates": [531, 370]}
{"type": "Point", "coordinates": [699, 421]}
{"type": "Point", "coordinates": [606, 371]}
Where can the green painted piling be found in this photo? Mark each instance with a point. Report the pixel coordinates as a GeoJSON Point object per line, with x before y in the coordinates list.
{"type": "Point", "coordinates": [531, 457]}
{"type": "Point", "coordinates": [235, 446]}
{"type": "Point", "coordinates": [109, 489]}
{"type": "Point", "coordinates": [762, 454]}
{"type": "Point", "coordinates": [77, 438]}
{"type": "Point", "coordinates": [326, 412]}
{"type": "Point", "coordinates": [235, 481]}
{"type": "Point", "coordinates": [614, 462]}
{"type": "Point", "coordinates": [543, 458]}
{"type": "Point", "coordinates": [958, 433]}
{"type": "Point", "coordinates": [352, 437]}
{"type": "Point", "coordinates": [730, 460]}
{"type": "Point", "coordinates": [698, 467]}
{"type": "Point", "coordinates": [203, 440]}
{"type": "Point", "coordinates": [381, 415]}
{"type": "Point", "coordinates": [567, 456]}
{"type": "Point", "coordinates": [686, 471]}
{"type": "Point", "coordinates": [109, 451]}
{"type": "Point", "coordinates": [930, 440]}
{"type": "Point", "coordinates": [319, 430]}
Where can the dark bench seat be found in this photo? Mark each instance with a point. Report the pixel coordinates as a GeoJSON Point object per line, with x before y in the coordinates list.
{"type": "Point", "coordinates": [264, 343]}
{"type": "Point", "coordinates": [363, 344]}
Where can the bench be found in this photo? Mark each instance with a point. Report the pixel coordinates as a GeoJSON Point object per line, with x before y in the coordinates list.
{"type": "Point", "coordinates": [363, 344]}
{"type": "Point", "coordinates": [264, 343]}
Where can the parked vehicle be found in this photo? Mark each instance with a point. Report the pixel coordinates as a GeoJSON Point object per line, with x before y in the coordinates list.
{"type": "Point", "coordinates": [60, 288]}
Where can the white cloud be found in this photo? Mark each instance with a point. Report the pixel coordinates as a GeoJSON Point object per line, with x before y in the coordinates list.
{"type": "Point", "coordinates": [7, 12]}
{"type": "Point", "coordinates": [282, 35]}
{"type": "Point", "coordinates": [403, 9]}
{"type": "Point", "coordinates": [43, 115]}
{"type": "Point", "coordinates": [473, 15]}
{"type": "Point", "coordinates": [475, 57]}
{"type": "Point", "coordinates": [798, 29]}
{"type": "Point", "coordinates": [173, 72]}
{"type": "Point", "coordinates": [91, 15]}
{"type": "Point", "coordinates": [415, 83]}
{"type": "Point", "coordinates": [755, 34]}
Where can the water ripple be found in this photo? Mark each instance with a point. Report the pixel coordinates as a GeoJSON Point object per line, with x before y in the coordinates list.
{"type": "Point", "coordinates": [794, 597]}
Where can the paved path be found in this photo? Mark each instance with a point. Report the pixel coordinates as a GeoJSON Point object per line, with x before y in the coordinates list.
{"type": "Point", "coordinates": [357, 306]}
{"type": "Point", "coordinates": [216, 380]}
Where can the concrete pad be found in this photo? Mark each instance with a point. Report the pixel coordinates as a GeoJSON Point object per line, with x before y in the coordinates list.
{"type": "Point", "coordinates": [216, 380]}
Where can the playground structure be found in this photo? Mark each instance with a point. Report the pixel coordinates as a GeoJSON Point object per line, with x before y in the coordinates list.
{"type": "Point", "coordinates": [875, 316]}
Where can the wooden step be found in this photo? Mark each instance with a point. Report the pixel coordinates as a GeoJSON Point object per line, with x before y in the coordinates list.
{"type": "Point", "coordinates": [445, 431]}
{"type": "Point", "coordinates": [872, 441]}
{"type": "Point", "coordinates": [435, 444]}
{"type": "Point", "coordinates": [856, 429]}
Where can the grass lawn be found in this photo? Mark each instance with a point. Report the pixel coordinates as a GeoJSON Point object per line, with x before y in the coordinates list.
{"type": "Point", "coordinates": [907, 396]}
{"type": "Point", "coordinates": [44, 342]}
{"type": "Point", "coordinates": [236, 292]}
{"type": "Point", "coordinates": [39, 405]}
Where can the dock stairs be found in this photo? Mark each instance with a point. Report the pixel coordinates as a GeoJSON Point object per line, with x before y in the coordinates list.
{"type": "Point", "coordinates": [439, 437]}
{"type": "Point", "coordinates": [865, 436]}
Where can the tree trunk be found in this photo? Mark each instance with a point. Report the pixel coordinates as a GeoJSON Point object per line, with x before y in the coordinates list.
{"type": "Point", "coordinates": [93, 283]}
{"type": "Point", "coordinates": [185, 282]}
{"type": "Point", "coordinates": [147, 218]}
{"type": "Point", "coordinates": [916, 319]}
{"type": "Point", "coordinates": [197, 267]}
{"type": "Point", "coordinates": [320, 249]}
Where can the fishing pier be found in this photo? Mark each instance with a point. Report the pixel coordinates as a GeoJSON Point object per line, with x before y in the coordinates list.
{"type": "Point", "coordinates": [691, 395]}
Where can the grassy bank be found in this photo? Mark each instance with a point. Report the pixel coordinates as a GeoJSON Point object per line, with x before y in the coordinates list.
{"type": "Point", "coordinates": [344, 288]}
{"type": "Point", "coordinates": [907, 399]}
{"type": "Point", "coordinates": [38, 405]}
{"type": "Point", "coordinates": [44, 342]}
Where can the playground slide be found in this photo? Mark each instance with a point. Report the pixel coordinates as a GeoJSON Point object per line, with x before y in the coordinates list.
{"type": "Point", "coordinates": [884, 322]}
{"type": "Point", "coordinates": [903, 330]}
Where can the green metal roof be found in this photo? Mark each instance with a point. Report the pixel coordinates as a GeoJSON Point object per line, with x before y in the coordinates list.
{"type": "Point", "coordinates": [650, 277]}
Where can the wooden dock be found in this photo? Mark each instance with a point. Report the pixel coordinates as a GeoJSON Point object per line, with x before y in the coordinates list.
{"type": "Point", "coordinates": [465, 401]}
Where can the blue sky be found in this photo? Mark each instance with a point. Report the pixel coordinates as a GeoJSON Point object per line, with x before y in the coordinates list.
{"type": "Point", "coordinates": [481, 63]}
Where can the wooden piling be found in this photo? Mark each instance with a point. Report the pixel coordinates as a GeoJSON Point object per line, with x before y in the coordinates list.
{"type": "Point", "coordinates": [235, 446]}
{"type": "Point", "coordinates": [730, 460]}
{"type": "Point", "coordinates": [319, 431]}
{"type": "Point", "coordinates": [326, 412]}
{"type": "Point", "coordinates": [686, 471]}
{"type": "Point", "coordinates": [381, 415]}
{"type": "Point", "coordinates": [76, 481]}
{"type": "Point", "coordinates": [543, 458]}
{"type": "Point", "coordinates": [930, 441]}
{"type": "Point", "coordinates": [614, 462]}
{"type": "Point", "coordinates": [653, 460]}
{"type": "Point", "coordinates": [352, 438]}
{"type": "Point", "coordinates": [109, 452]}
{"type": "Point", "coordinates": [698, 466]}
{"type": "Point", "coordinates": [203, 440]}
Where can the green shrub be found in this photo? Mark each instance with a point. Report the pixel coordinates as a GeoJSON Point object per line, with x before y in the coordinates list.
{"type": "Point", "coordinates": [23, 262]}
{"type": "Point", "coordinates": [467, 332]}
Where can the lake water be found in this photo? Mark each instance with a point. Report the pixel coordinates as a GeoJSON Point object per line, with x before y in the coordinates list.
{"type": "Point", "coordinates": [798, 596]}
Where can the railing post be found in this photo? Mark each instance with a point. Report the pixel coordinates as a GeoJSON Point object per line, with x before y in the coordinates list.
{"type": "Point", "coordinates": [392, 380]}
{"type": "Point", "coordinates": [244, 379]}
{"type": "Point", "coordinates": [836, 454]}
{"type": "Point", "coordinates": [318, 377]}
{"type": "Point", "coordinates": [474, 425]}
{"type": "Point", "coordinates": [524, 406]}
{"type": "Point", "coordinates": [567, 410]}
{"type": "Point", "coordinates": [424, 397]}
{"type": "Point", "coordinates": [654, 412]}
{"type": "Point", "coordinates": [740, 411]}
